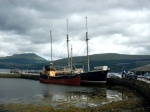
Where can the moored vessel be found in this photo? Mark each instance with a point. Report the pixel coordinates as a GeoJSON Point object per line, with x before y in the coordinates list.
{"type": "Point", "coordinates": [96, 76]}
{"type": "Point", "coordinates": [52, 76]}
{"type": "Point", "coordinates": [66, 76]}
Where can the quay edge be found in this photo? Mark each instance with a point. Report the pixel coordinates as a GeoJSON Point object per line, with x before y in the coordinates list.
{"type": "Point", "coordinates": [30, 76]}
{"type": "Point", "coordinates": [18, 75]}
{"type": "Point", "coordinates": [139, 85]}
{"type": "Point", "coordinates": [10, 75]}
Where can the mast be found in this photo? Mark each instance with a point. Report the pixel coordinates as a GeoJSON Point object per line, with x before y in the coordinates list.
{"type": "Point", "coordinates": [51, 47]}
{"type": "Point", "coordinates": [71, 58]}
{"type": "Point", "coordinates": [68, 46]}
{"type": "Point", "coordinates": [88, 62]}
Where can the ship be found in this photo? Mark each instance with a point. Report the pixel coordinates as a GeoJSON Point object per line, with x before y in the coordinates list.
{"type": "Point", "coordinates": [96, 76]}
{"type": "Point", "coordinates": [78, 76]}
{"type": "Point", "coordinates": [50, 75]}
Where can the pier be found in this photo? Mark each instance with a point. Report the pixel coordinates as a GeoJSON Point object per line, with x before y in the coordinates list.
{"type": "Point", "coordinates": [10, 75]}
{"type": "Point", "coordinates": [18, 75]}
{"type": "Point", "coordinates": [30, 76]}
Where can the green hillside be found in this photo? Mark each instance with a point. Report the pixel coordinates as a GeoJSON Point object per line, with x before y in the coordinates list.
{"type": "Point", "coordinates": [27, 60]}
{"type": "Point", "coordinates": [117, 62]}
{"type": "Point", "coordinates": [114, 56]}
{"type": "Point", "coordinates": [24, 56]}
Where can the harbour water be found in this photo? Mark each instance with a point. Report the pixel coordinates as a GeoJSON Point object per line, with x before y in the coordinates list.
{"type": "Point", "coordinates": [18, 91]}
{"type": "Point", "coordinates": [33, 92]}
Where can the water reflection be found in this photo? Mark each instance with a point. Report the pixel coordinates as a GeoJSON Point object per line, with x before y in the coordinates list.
{"type": "Point", "coordinates": [113, 95]}
{"type": "Point", "coordinates": [92, 98]}
{"type": "Point", "coordinates": [34, 92]}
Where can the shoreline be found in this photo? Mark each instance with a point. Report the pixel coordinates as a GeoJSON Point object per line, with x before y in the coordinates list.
{"type": "Point", "coordinates": [19, 75]}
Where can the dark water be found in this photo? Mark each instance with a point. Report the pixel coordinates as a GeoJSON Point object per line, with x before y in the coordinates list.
{"type": "Point", "coordinates": [30, 91]}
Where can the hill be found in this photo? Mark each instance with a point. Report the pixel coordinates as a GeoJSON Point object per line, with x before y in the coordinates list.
{"type": "Point", "coordinates": [117, 62]}
{"type": "Point", "coordinates": [22, 61]}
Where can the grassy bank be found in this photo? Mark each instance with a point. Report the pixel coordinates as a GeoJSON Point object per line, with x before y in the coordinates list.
{"type": "Point", "coordinates": [132, 105]}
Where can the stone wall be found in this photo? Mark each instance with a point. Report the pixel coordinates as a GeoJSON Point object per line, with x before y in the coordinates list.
{"type": "Point", "coordinates": [139, 85]}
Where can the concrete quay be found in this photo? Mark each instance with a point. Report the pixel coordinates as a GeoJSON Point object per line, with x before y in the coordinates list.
{"type": "Point", "coordinates": [141, 85]}
{"type": "Point", "coordinates": [30, 76]}
{"type": "Point", "coordinates": [18, 75]}
{"type": "Point", "coordinates": [10, 75]}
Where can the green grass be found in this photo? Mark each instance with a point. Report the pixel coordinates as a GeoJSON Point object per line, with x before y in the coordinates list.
{"type": "Point", "coordinates": [134, 105]}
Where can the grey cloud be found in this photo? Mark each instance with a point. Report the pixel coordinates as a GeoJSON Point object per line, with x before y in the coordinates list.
{"type": "Point", "coordinates": [29, 23]}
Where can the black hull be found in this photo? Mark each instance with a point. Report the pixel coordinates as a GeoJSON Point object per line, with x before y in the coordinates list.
{"type": "Point", "coordinates": [94, 77]}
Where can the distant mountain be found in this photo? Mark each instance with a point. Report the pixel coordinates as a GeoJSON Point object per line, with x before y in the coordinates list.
{"type": "Point", "coordinates": [23, 61]}
{"type": "Point", "coordinates": [117, 62]}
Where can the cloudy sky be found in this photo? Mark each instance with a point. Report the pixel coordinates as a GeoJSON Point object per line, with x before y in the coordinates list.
{"type": "Point", "coordinates": [114, 26]}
